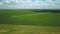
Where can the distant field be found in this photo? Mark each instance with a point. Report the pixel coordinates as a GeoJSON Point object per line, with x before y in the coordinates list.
{"type": "Point", "coordinates": [29, 22]}
{"type": "Point", "coordinates": [27, 17]}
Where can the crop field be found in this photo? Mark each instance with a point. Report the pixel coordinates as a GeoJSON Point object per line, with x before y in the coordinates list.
{"type": "Point", "coordinates": [29, 22]}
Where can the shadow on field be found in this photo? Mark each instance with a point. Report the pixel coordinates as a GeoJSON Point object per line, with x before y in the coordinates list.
{"type": "Point", "coordinates": [45, 10]}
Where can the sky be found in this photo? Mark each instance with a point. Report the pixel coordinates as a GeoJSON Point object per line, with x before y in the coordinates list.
{"type": "Point", "coordinates": [29, 4]}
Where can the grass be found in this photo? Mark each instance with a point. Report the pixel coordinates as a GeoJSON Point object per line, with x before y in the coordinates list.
{"type": "Point", "coordinates": [24, 29]}
{"type": "Point", "coordinates": [27, 17]}
{"type": "Point", "coordinates": [29, 22]}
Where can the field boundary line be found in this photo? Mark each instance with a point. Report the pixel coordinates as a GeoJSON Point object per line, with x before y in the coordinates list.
{"type": "Point", "coordinates": [29, 14]}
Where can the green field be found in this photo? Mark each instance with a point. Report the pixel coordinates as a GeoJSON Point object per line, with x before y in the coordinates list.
{"type": "Point", "coordinates": [29, 22]}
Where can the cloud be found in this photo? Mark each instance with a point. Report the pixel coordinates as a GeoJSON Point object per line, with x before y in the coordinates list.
{"type": "Point", "coordinates": [8, 2]}
{"type": "Point", "coordinates": [19, 5]}
{"type": "Point", "coordinates": [1, 4]}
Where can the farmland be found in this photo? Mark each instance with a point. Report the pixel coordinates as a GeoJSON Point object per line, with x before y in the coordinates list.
{"type": "Point", "coordinates": [29, 22]}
